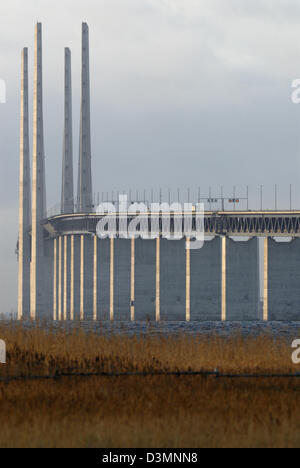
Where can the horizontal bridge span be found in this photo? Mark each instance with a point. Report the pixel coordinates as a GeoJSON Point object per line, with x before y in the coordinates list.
{"type": "Point", "coordinates": [235, 223]}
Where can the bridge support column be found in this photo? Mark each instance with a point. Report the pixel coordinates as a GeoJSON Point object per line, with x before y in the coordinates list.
{"type": "Point", "coordinates": [122, 279]}
{"type": "Point", "coordinates": [205, 281]}
{"type": "Point", "coordinates": [112, 278]}
{"type": "Point", "coordinates": [75, 276]}
{"type": "Point", "coordinates": [172, 280]}
{"type": "Point", "coordinates": [146, 275]}
{"type": "Point", "coordinates": [65, 308]}
{"type": "Point", "coordinates": [132, 282]}
{"type": "Point", "coordinates": [103, 279]}
{"type": "Point", "coordinates": [95, 279]}
{"type": "Point", "coordinates": [86, 276]}
{"type": "Point", "coordinates": [82, 277]}
{"type": "Point", "coordinates": [242, 280]}
{"type": "Point", "coordinates": [72, 279]}
{"type": "Point", "coordinates": [49, 277]}
{"type": "Point", "coordinates": [60, 278]}
{"type": "Point", "coordinates": [157, 299]}
{"type": "Point", "coordinates": [188, 281]}
{"type": "Point", "coordinates": [224, 279]}
{"type": "Point", "coordinates": [55, 279]}
{"type": "Point", "coordinates": [67, 277]}
{"type": "Point", "coordinates": [266, 280]}
{"type": "Point", "coordinates": [284, 280]}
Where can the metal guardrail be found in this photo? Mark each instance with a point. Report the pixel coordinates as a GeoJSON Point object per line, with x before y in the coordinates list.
{"type": "Point", "coordinates": [236, 198]}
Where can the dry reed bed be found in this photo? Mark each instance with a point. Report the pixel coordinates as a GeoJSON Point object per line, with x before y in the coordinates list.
{"type": "Point", "coordinates": [151, 411]}
{"type": "Point", "coordinates": [38, 351]}
{"type": "Point", "coordinates": [162, 412]}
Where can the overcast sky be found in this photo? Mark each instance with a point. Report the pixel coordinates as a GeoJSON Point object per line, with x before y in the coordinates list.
{"type": "Point", "coordinates": [184, 93]}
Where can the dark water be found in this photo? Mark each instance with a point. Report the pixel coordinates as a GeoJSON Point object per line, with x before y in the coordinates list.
{"type": "Point", "coordinates": [275, 329]}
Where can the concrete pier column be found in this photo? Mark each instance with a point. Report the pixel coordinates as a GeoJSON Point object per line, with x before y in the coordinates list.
{"type": "Point", "coordinates": [146, 274]}
{"type": "Point", "coordinates": [242, 280]}
{"type": "Point", "coordinates": [224, 279]}
{"type": "Point", "coordinates": [157, 302]}
{"type": "Point", "coordinates": [206, 281]}
{"type": "Point", "coordinates": [77, 276]}
{"type": "Point", "coordinates": [122, 279]}
{"type": "Point", "coordinates": [132, 281]}
{"type": "Point", "coordinates": [65, 274]}
{"type": "Point", "coordinates": [88, 282]}
{"type": "Point", "coordinates": [37, 285]}
{"type": "Point", "coordinates": [284, 280]}
{"type": "Point", "coordinates": [103, 279]}
{"type": "Point", "coordinates": [55, 279]}
{"type": "Point", "coordinates": [188, 280]}
{"type": "Point", "coordinates": [95, 280]}
{"type": "Point", "coordinates": [172, 280]}
{"type": "Point", "coordinates": [265, 280]}
{"type": "Point", "coordinates": [112, 279]}
{"type": "Point", "coordinates": [66, 270]}
{"type": "Point", "coordinates": [49, 277]}
{"type": "Point", "coordinates": [72, 296]}
{"type": "Point", "coordinates": [60, 278]}
{"type": "Point", "coordinates": [24, 199]}
{"type": "Point", "coordinates": [82, 277]}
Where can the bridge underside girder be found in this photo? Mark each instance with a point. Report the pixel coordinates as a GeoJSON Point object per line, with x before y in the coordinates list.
{"type": "Point", "coordinates": [260, 224]}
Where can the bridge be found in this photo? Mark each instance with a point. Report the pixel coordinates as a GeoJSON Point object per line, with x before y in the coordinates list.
{"type": "Point", "coordinates": [66, 272]}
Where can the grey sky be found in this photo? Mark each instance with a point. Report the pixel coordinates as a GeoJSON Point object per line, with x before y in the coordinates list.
{"type": "Point", "coordinates": [184, 93]}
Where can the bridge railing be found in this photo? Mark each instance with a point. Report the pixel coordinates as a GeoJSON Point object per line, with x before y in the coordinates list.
{"type": "Point", "coordinates": [218, 199]}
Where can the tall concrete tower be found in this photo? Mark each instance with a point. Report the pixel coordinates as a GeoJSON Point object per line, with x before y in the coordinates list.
{"type": "Point", "coordinates": [67, 192]}
{"type": "Point", "coordinates": [84, 195]}
{"type": "Point", "coordinates": [38, 185]}
{"type": "Point", "coordinates": [24, 198]}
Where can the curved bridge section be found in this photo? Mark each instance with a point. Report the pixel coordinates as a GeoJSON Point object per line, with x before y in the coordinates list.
{"type": "Point", "coordinates": [243, 223]}
{"type": "Point", "coordinates": [234, 276]}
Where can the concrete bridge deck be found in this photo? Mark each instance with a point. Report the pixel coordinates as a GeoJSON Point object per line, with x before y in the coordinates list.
{"type": "Point", "coordinates": [224, 223]}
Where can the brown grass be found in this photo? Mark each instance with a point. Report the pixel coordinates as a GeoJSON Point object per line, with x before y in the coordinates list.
{"type": "Point", "coordinates": [157, 411]}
